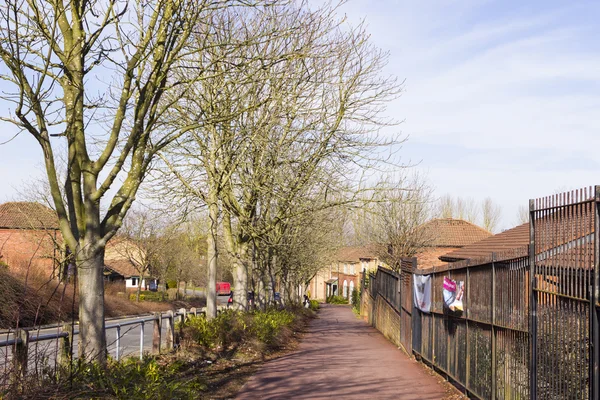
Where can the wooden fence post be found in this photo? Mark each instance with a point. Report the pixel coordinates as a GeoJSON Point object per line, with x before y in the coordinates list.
{"type": "Point", "coordinates": [170, 329]}
{"type": "Point", "coordinates": [156, 334]}
{"type": "Point", "coordinates": [194, 311]}
{"type": "Point", "coordinates": [20, 355]}
{"type": "Point", "coordinates": [65, 352]}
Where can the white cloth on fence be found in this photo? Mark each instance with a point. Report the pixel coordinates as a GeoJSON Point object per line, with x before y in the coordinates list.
{"type": "Point", "coordinates": [422, 292]}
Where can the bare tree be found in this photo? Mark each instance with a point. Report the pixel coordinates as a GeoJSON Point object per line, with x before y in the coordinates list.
{"type": "Point", "coordinates": [522, 215]}
{"type": "Point", "coordinates": [139, 243]}
{"type": "Point", "coordinates": [446, 207]}
{"type": "Point", "coordinates": [277, 135]}
{"type": "Point", "coordinates": [93, 79]}
{"type": "Point", "coordinates": [402, 206]}
{"type": "Point", "coordinates": [491, 214]}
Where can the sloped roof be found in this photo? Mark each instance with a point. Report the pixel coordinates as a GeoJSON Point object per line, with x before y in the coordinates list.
{"type": "Point", "coordinates": [122, 267]}
{"type": "Point", "coordinates": [511, 239]}
{"type": "Point", "coordinates": [430, 256]}
{"type": "Point", "coordinates": [355, 254]}
{"type": "Point", "coordinates": [27, 215]}
{"type": "Point", "coordinates": [448, 232]}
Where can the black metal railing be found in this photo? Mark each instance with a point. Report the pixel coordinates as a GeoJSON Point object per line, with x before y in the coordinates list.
{"type": "Point", "coordinates": [529, 328]}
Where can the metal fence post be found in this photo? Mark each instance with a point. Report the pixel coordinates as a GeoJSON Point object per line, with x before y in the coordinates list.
{"type": "Point", "coordinates": [142, 340]}
{"type": "Point", "coordinates": [20, 355]}
{"type": "Point", "coordinates": [170, 329]}
{"type": "Point", "coordinates": [65, 352]}
{"type": "Point", "coordinates": [156, 333]}
{"type": "Point", "coordinates": [118, 342]}
{"type": "Point", "coordinates": [494, 356]}
{"type": "Point", "coordinates": [594, 296]}
{"type": "Point", "coordinates": [532, 305]}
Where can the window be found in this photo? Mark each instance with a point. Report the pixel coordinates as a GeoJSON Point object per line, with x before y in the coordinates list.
{"type": "Point", "coordinates": [351, 287]}
{"type": "Point", "coordinates": [134, 281]}
{"type": "Point", "coordinates": [345, 288]}
{"type": "Point", "coordinates": [345, 268]}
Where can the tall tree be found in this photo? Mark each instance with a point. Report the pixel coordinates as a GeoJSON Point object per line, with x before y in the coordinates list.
{"type": "Point", "coordinates": [92, 80]}
{"type": "Point", "coordinates": [396, 217]}
{"type": "Point", "coordinates": [490, 214]}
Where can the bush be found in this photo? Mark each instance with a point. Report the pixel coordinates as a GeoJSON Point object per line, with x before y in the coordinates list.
{"type": "Point", "coordinates": [337, 300]}
{"type": "Point", "coordinates": [314, 305]}
{"type": "Point", "coordinates": [138, 379]}
{"type": "Point", "coordinates": [233, 328]}
{"type": "Point", "coordinates": [268, 324]}
{"type": "Point", "coordinates": [172, 284]}
{"type": "Point", "coordinates": [356, 299]}
{"type": "Point", "coordinates": [146, 295]}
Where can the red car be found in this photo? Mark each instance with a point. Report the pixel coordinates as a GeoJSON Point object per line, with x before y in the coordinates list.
{"type": "Point", "coordinates": [223, 288]}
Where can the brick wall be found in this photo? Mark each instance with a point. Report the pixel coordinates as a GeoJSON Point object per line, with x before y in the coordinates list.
{"type": "Point", "coordinates": [31, 250]}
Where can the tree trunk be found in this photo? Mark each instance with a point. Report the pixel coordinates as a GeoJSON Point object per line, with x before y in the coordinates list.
{"type": "Point", "coordinates": [92, 336]}
{"type": "Point", "coordinates": [212, 254]}
{"type": "Point", "coordinates": [139, 288]}
{"type": "Point", "coordinates": [240, 281]}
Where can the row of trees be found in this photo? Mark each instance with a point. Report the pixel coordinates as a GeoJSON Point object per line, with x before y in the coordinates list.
{"type": "Point", "coordinates": [256, 111]}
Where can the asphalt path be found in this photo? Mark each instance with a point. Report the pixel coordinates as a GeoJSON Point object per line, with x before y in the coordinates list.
{"type": "Point", "coordinates": [342, 357]}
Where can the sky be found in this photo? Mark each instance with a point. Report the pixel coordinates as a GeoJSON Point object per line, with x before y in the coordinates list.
{"type": "Point", "coordinates": [500, 100]}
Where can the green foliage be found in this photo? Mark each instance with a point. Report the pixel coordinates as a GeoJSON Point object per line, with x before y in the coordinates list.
{"type": "Point", "coordinates": [232, 328]}
{"type": "Point", "coordinates": [129, 379]}
{"type": "Point", "coordinates": [146, 295]}
{"type": "Point", "coordinates": [337, 300]}
{"type": "Point", "coordinates": [314, 305]}
{"type": "Point", "coordinates": [356, 299]}
{"type": "Point", "coordinates": [267, 325]}
{"type": "Point", "coordinates": [172, 284]}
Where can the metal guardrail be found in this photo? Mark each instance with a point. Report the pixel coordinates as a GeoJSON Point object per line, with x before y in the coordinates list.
{"type": "Point", "coordinates": [22, 338]}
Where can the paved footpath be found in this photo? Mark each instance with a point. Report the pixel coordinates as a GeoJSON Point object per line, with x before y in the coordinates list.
{"type": "Point", "coordinates": [343, 357]}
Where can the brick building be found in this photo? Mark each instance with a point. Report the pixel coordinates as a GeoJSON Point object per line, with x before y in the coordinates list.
{"type": "Point", "coordinates": [30, 238]}
{"type": "Point", "coordinates": [343, 274]}
{"type": "Point", "coordinates": [448, 235]}
{"type": "Point", "coordinates": [31, 242]}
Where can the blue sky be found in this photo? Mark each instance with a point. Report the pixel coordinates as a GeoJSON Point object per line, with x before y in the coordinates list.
{"type": "Point", "coordinates": [501, 98]}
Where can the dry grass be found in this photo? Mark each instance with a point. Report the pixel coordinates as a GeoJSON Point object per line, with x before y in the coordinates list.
{"type": "Point", "coordinates": [31, 300]}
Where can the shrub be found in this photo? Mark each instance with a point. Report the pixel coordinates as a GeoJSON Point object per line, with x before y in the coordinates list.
{"type": "Point", "coordinates": [233, 328]}
{"type": "Point", "coordinates": [337, 300]}
{"type": "Point", "coordinates": [267, 325]}
{"type": "Point", "coordinates": [356, 299]}
{"type": "Point", "coordinates": [172, 284]}
{"type": "Point", "coordinates": [314, 305]}
{"type": "Point", "coordinates": [146, 295]}
{"type": "Point", "coordinates": [137, 379]}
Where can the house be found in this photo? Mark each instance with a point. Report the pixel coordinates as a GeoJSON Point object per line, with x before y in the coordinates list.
{"type": "Point", "coordinates": [447, 235]}
{"type": "Point", "coordinates": [515, 239]}
{"type": "Point", "coordinates": [342, 275]}
{"type": "Point", "coordinates": [30, 240]}
{"type": "Point", "coordinates": [124, 262]}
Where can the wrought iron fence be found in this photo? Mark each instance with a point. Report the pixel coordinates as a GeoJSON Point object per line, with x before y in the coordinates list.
{"type": "Point", "coordinates": [529, 328]}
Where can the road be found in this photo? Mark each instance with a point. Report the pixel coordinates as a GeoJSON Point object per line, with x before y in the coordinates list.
{"type": "Point", "coordinates": [221, 300]}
